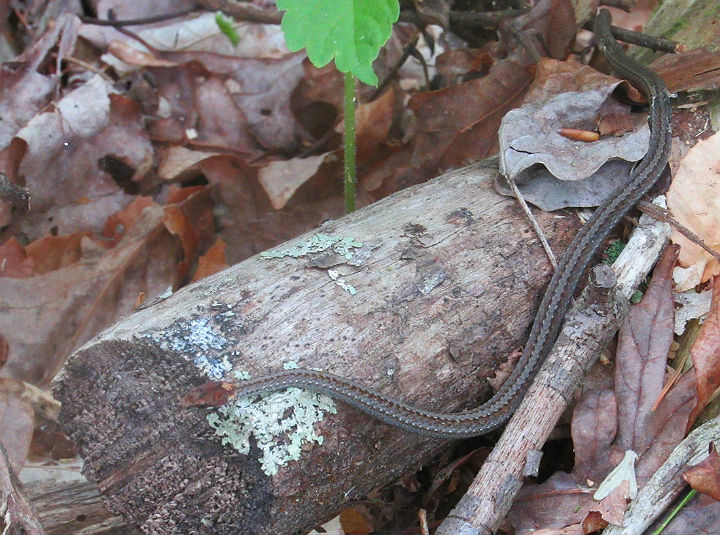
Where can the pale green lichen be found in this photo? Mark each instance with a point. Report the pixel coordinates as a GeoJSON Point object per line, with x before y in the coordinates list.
{"type": "Point", "coordinates": [318, 243]}
{"type": "Point", "coordinates": [336, 276]}
{"type": "Point", "coordinates": [241, 375]}
{"type": "Point", "coordinates": [280, 422]}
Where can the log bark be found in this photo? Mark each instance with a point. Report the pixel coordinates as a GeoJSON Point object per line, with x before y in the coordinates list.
{"type": "Point", "coordinates": [446, 282]}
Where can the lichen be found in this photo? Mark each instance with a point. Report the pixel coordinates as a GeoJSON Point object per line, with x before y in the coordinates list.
{"type": "Point", "coordinates": [281, 422]}
{"type": "Point", "coordinates": [336, 276]}
{"type": "Point", "coordinates": [198, 337]}
{"type": "Point", "coordinates": [318, 243]}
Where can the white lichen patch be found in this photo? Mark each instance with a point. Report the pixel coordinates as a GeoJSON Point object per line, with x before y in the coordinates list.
{"type": "Point", "coordinates": [198, 337]}
{"type": "Point", "coordinates": [318, 243]}
{"type": "Point", "coordinates": [241, 375]}
{"type": "Point", "coordinates": [281, 423]}
{"type": "Point", "coordinates": [340, 281]}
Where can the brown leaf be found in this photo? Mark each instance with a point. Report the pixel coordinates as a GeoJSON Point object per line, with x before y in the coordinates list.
{"type": "Point", "coordinates": [177, 195]}
{"type": "Point", "coordinates": [23, 90]}
{"type": "Point", "coordinates": [705, 353]}
{"type": "Point", "coordinates": [54, 252]}
{"type": "Point", "coordinates": [237, 103]}
{"type": "Point", "coordinates": [282, 178]}
{"type": "Point", "coordinates": [210, 394]}
{"type": "Point", "coordinates": [555, 504]}
{"type": "Point", "coordinates": [16, 422]}
{"type": "Point", "coordinates": [249, 222]}
{"type": "Point", "coordinates": [458, 124]}
{"type": "Point", "coordinates": [613, 506]}
{"type": "Point", "coordinates": [372, 124]}
{"type": "Point", "coordinates": [356, 521]}
{"type": "Point", "coordinates": [179, 226]}
{"type": "Point", "coordinates": [593, 522]}
{"type": "Point", "coordinates": [594, 426]}
{"type": "Point", "coordinates": [643, 344]}
{"type": "Point", "coordinates": [119, 223]}
{"type": "Point", "coordinates": [14, 261]}
{"type": "Point", "coordinates": [212, 261]}
{"type": "Point", "coordinates": [76, 155]}
{"type": "Point", "coordinates": [554, 172]}
{"type": "Point", "coordinates": [666, 426]}
{"type": "Point", "coordinates": [617, 124]}
{"type": "Point", "coordinates": [705, 476]}
{"type": "Point", "coordinates": [81, 299]}
{"type": "Point", "coordinates": [4, 349]}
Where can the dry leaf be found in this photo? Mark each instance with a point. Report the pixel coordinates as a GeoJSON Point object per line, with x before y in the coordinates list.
{"type": "Point", "coordinates": [594, 426]}
{"type": "Point", "coordinates": [705, 353]}
{"type": "Point", "coordinates": [643, 344]}
{"type": "Point", "coordinates": [282, 178]}
{"type": "Point", "coordinates": [705, 476]}
{"type": "Point", "coordinates": [551, 170]}
{"type": "Point", "coordinates": [14, 261]}
{"type": "Point", "coordinates": [556, 504]}
{"type": "Point", "coordinates": [356, 521]}
{"type": "Point", "coordinates": [80, 299]}
{"type": "Point", "coordinates": [75, 157]}
{"type": "Point", "coordinates": [212, 261]}
{"type": "Point", "coordinates": [694, 200]}
{"type": "Point", "coordinates": [133, 56]}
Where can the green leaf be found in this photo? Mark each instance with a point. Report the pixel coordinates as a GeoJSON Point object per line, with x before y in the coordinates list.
{"type": "Point", "coordinates": [351, 31]}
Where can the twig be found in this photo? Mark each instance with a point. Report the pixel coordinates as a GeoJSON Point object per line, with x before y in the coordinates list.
{"type": "Point", "coordinates": [249, 12]}
{"type": "Point", "coordinates": [533, 221]}
{"type": "Point", "coordinates": [89, 67]}
{"type": "Point", "coordinates": [135, 22]}
{"type": "Point", "coordinates": [407, 50]}
{"type": "Point", "coordinates": [662, 214]}
{"type": "Point", "coordinates": [651, 42]}
{"type": "Point", "coordinates": [666, 484]}
{"type": "Point", "coordinates": [243, 11]}
{"type": "Point", "coordinates": [317, 144]}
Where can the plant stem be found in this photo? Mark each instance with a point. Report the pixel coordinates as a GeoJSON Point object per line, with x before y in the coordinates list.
{"type": "Point", "coordinates": [349, 142]}
{"type": "Point", "coordinates": [675, 511]}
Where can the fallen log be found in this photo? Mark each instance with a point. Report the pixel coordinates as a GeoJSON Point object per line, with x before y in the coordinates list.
{"type": "Point", "coordinates": [422, 295]}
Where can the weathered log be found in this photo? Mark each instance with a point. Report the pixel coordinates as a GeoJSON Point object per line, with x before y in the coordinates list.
{"type": "Point", "coordinates": [447, 280]}
{"type": "Point", "coordinates": [66, 502]}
